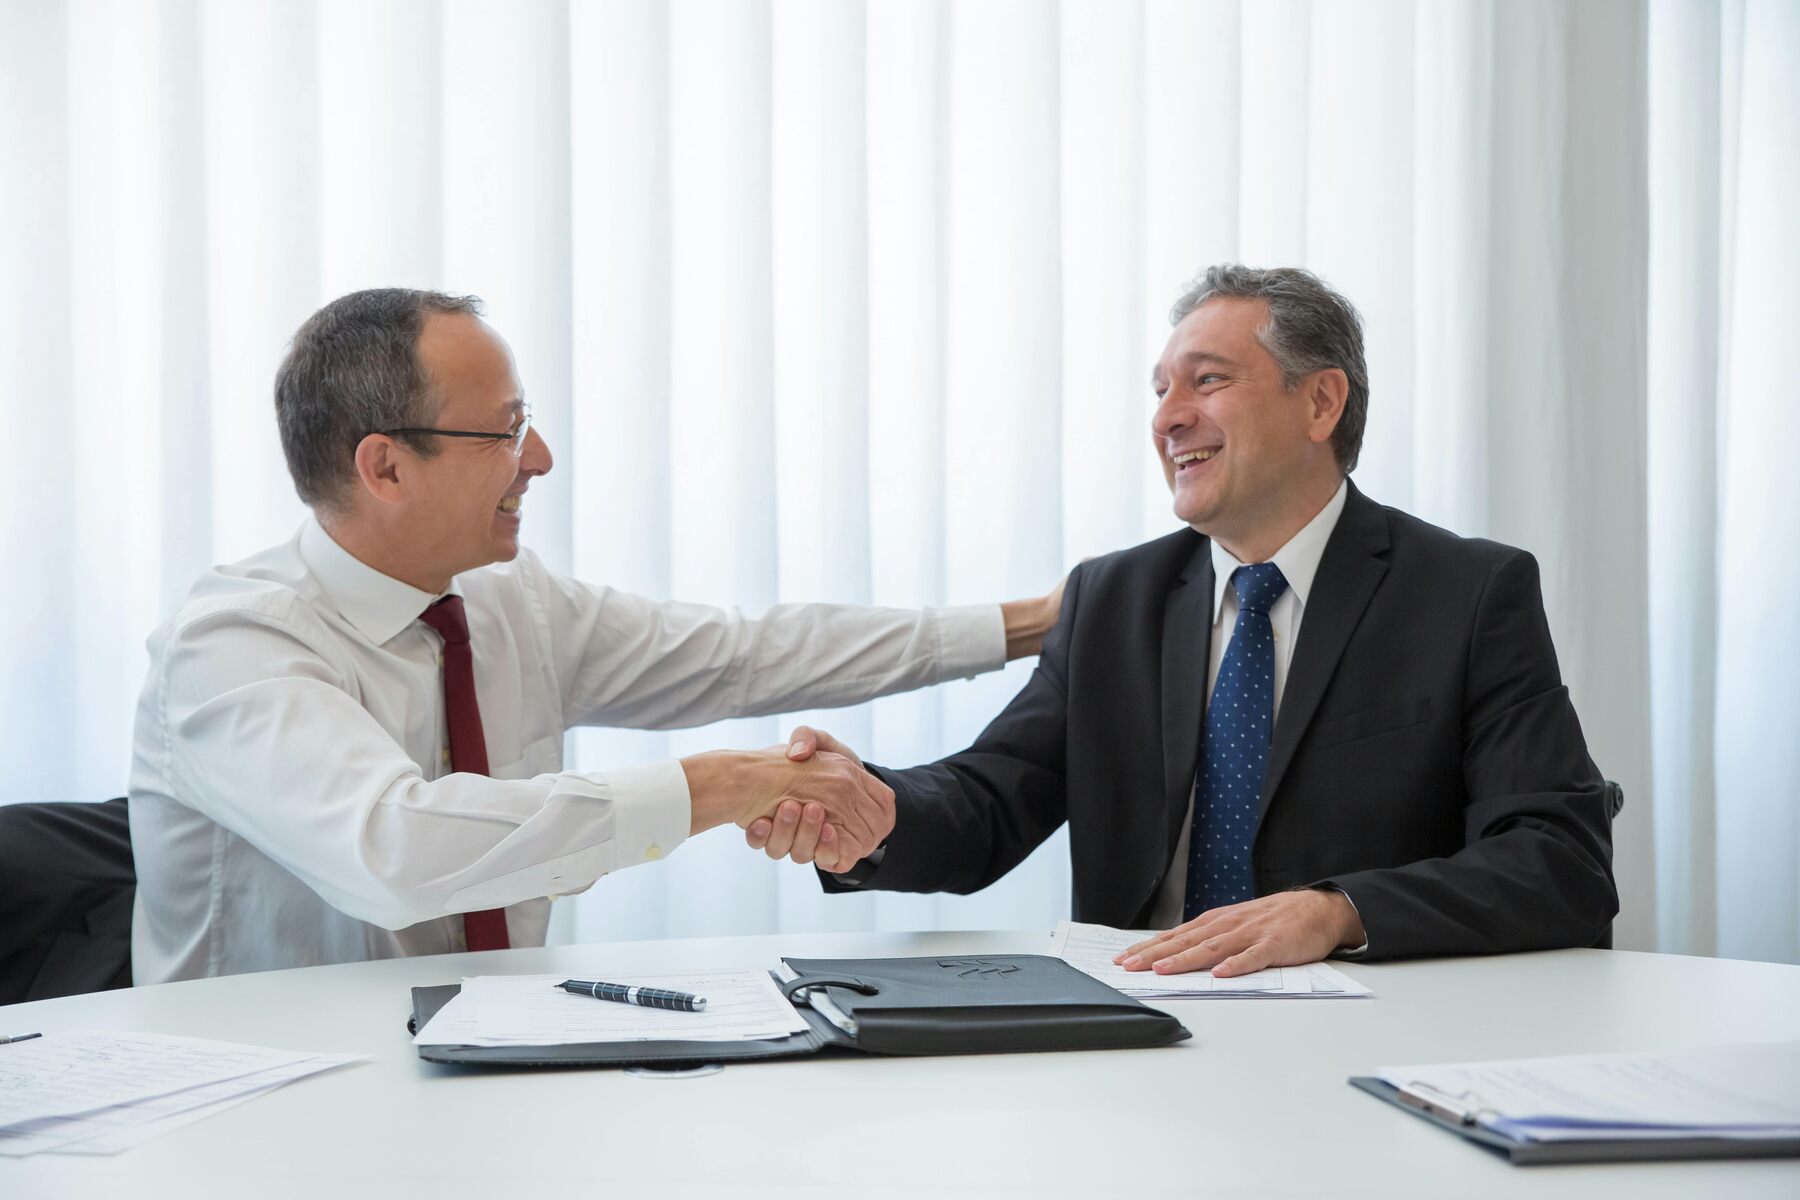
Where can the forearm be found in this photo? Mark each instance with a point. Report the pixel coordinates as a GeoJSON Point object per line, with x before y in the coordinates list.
{"type": "Point", "coordinates": [714, 798]}
{"type": "Point", "coordinates": [1525, 889]}
{"type": "Point", "coordinates": [414, 849]}
{"type": "Point", "coordinates": [1027, 623]}
{"type": "Point", "coordinates": [962, 823]}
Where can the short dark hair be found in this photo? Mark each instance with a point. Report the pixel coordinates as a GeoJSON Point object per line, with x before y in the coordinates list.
{"type": "Point", "coordinates": [1310, 328]}
{"type": "Point", "coordinates": [352, 370]}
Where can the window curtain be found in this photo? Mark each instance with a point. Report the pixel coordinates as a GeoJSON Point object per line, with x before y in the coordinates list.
{"type": "Point", "coordinates": [856, 300]}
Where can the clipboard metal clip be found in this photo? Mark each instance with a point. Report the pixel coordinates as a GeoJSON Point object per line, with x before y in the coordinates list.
{"type": "Point", "coordinates": [1465, 1108]}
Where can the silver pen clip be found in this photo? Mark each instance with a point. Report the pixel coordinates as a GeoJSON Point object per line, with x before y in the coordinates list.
{"type": "Point", "coordinates": [1464, 1109]}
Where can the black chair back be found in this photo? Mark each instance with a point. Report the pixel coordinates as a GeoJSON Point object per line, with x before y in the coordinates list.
{"type": "Point", "coordinates": [1615, 803]}
{"type": "Point", "coordinates": [66, 887]}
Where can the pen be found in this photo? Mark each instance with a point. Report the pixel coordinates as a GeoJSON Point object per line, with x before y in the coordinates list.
{"type": "Point", "coordinates": [23, 1037]}
{"type": "Point", "coordinates": [648, 997]}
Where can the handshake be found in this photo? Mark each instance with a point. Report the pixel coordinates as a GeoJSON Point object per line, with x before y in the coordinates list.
{"type": "Point", "coordinates": [811, 800]}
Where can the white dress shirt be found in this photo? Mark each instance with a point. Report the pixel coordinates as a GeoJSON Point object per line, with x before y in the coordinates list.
{"type": "Point", "coordinates": [291, 801]}
{"type": "Point", "coordinates": [1299, 563]}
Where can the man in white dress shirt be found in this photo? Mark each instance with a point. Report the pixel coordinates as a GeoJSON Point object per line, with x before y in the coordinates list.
{"type": "Point", "coordinates": [294, 799]}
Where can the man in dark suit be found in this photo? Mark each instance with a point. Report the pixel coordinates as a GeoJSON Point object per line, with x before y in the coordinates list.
{"type": "Point", "coordinates": [1308, 724]}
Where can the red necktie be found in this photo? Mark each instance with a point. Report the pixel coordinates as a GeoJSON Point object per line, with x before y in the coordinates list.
{"type": "Point", "coordinates": [468, 747]}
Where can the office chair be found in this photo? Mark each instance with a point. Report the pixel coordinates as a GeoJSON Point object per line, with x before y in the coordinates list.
{"type": "Point", "coordinates": [66, 886]}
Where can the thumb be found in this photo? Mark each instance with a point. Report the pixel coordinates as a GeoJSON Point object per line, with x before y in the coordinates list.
{"type": "Point", "coordinates": [803, 743]}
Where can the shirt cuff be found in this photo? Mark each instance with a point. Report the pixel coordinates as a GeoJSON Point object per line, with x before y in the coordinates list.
{"type": "Point", "coordinates": [1359, 951]}
{"type": "Point", "coordinates": [652, 810]}
{"type": "Point", "coordinates": [971, 641]}
{"type": "Point", "coordinates": [862, 870]}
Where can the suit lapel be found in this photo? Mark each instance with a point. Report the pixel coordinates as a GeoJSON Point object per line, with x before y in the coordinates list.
{"type": "Point", "coordinates": [1186, 646]}
{"type": "Point", "coordinates": [1349, 572]}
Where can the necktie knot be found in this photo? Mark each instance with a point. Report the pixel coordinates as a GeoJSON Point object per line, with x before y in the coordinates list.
{"type": "Point", "coordinates": [1258, 586]}
{"type": "Point", "coordinates": [447, 617]}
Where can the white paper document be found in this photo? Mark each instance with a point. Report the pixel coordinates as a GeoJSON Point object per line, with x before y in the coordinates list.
{"type": "Point", "coordinates": [113, 1130]}
{"type": "Point", "coordinates": [99, 1093]}
{"type": "Point", "coordinates": [1090, 948]}
{"type": "Point", "coordinates": [530, 1010]}
{"type": "Point", "coordinates": [1746, 1091]}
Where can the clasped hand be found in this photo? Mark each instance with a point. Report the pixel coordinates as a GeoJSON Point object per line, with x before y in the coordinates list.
{"type": "Point", "coordinates": [808, 801]}
{"type": "Point", "coordinates": [794, 831]}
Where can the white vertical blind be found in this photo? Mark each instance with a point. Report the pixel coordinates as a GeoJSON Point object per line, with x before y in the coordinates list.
{"type": "Point", "coordinates": [1452, 181]}
{"type": "Point", "coordinates": [1104, 442]}
{"type": "Point", "coordinates": [858, 300]}
{"type": "Point", "coordinates": [261, 248]}
{"type": "Point", "coordinates": [1756, 719]}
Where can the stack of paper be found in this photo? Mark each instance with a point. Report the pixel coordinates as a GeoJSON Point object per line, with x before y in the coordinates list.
{"type": "Point", "coordinates": [99, 1093]}
{"type": "Point", "coordinates": [530, 1010]}
{"type": "Point", "coordinates": [1090, 948]}
{"type": "Point", "coordinates": [1721, 1092]}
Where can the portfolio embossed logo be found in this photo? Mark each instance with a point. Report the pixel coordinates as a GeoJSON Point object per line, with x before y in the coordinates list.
{"type": "Point", "coordinates": [976, 966]}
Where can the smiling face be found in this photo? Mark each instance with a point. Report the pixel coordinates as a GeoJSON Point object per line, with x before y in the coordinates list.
{"type": "Point", "coordinates": [1244, 455]}
{"type": "Point", "coordinates": [463, 503]}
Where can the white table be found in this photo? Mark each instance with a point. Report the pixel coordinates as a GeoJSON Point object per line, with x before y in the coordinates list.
{"type": "Point", "coordinates": [1254, 1105]}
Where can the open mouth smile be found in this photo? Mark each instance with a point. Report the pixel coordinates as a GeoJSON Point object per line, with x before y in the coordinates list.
{"type": "Point", "coordinates": [1190, 461]}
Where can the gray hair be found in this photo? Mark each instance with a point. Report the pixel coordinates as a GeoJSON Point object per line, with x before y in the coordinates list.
{"type": "Point", "coordinates": [1310, 328]}
{"type": "Point", "coordinates": [352, 370]}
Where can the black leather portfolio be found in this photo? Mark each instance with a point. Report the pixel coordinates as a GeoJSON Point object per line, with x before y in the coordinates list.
{"type": "Point", "coordinates": [979, 1004]}
{"type": "Point", "coordinates": [1528, 1153]}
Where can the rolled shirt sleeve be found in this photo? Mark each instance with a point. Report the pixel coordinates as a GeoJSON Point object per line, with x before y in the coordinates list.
{"type": "Point", "coordinates": [971, 640]}
{"type": "Point", "coordinates": [638, 815]}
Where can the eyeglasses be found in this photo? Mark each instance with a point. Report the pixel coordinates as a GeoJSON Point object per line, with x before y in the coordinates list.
{"type": "Point", "coordinates": [514, 437]}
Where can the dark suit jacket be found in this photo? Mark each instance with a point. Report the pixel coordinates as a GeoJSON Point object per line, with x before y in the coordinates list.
{"type": "Point", "coordinates": [1426, 759]}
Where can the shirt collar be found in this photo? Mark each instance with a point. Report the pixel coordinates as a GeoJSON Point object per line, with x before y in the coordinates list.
{"type": "Point", "coordinates": [1298, 560]}
{"type": "Point", "coordinates": [380, 606]}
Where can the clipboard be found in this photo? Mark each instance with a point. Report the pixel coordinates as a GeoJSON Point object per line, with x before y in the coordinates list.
{"type": "Point", "coordinates": [940, 1004]}
{"type": "Point", "coordinates": [1529, 1153]}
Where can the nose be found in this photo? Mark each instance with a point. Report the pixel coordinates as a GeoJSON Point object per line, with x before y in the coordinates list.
{"type": "Point", "coordinates": [534, 457]}
{"type": "Point", "coordinates": [1172, 415]}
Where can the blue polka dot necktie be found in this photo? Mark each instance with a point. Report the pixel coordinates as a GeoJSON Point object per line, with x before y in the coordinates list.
{"type": "Point", "coordinates": [1240, 718]}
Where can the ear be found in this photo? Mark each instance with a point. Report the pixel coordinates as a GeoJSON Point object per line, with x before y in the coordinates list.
{"type": "Point", "coordinates": [1327, 393]}
{"type": "Point", "coordinates": [379, 465]}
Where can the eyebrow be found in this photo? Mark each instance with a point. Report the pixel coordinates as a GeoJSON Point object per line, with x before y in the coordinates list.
{"type": "Point", "coordinates": [1193, 358]}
